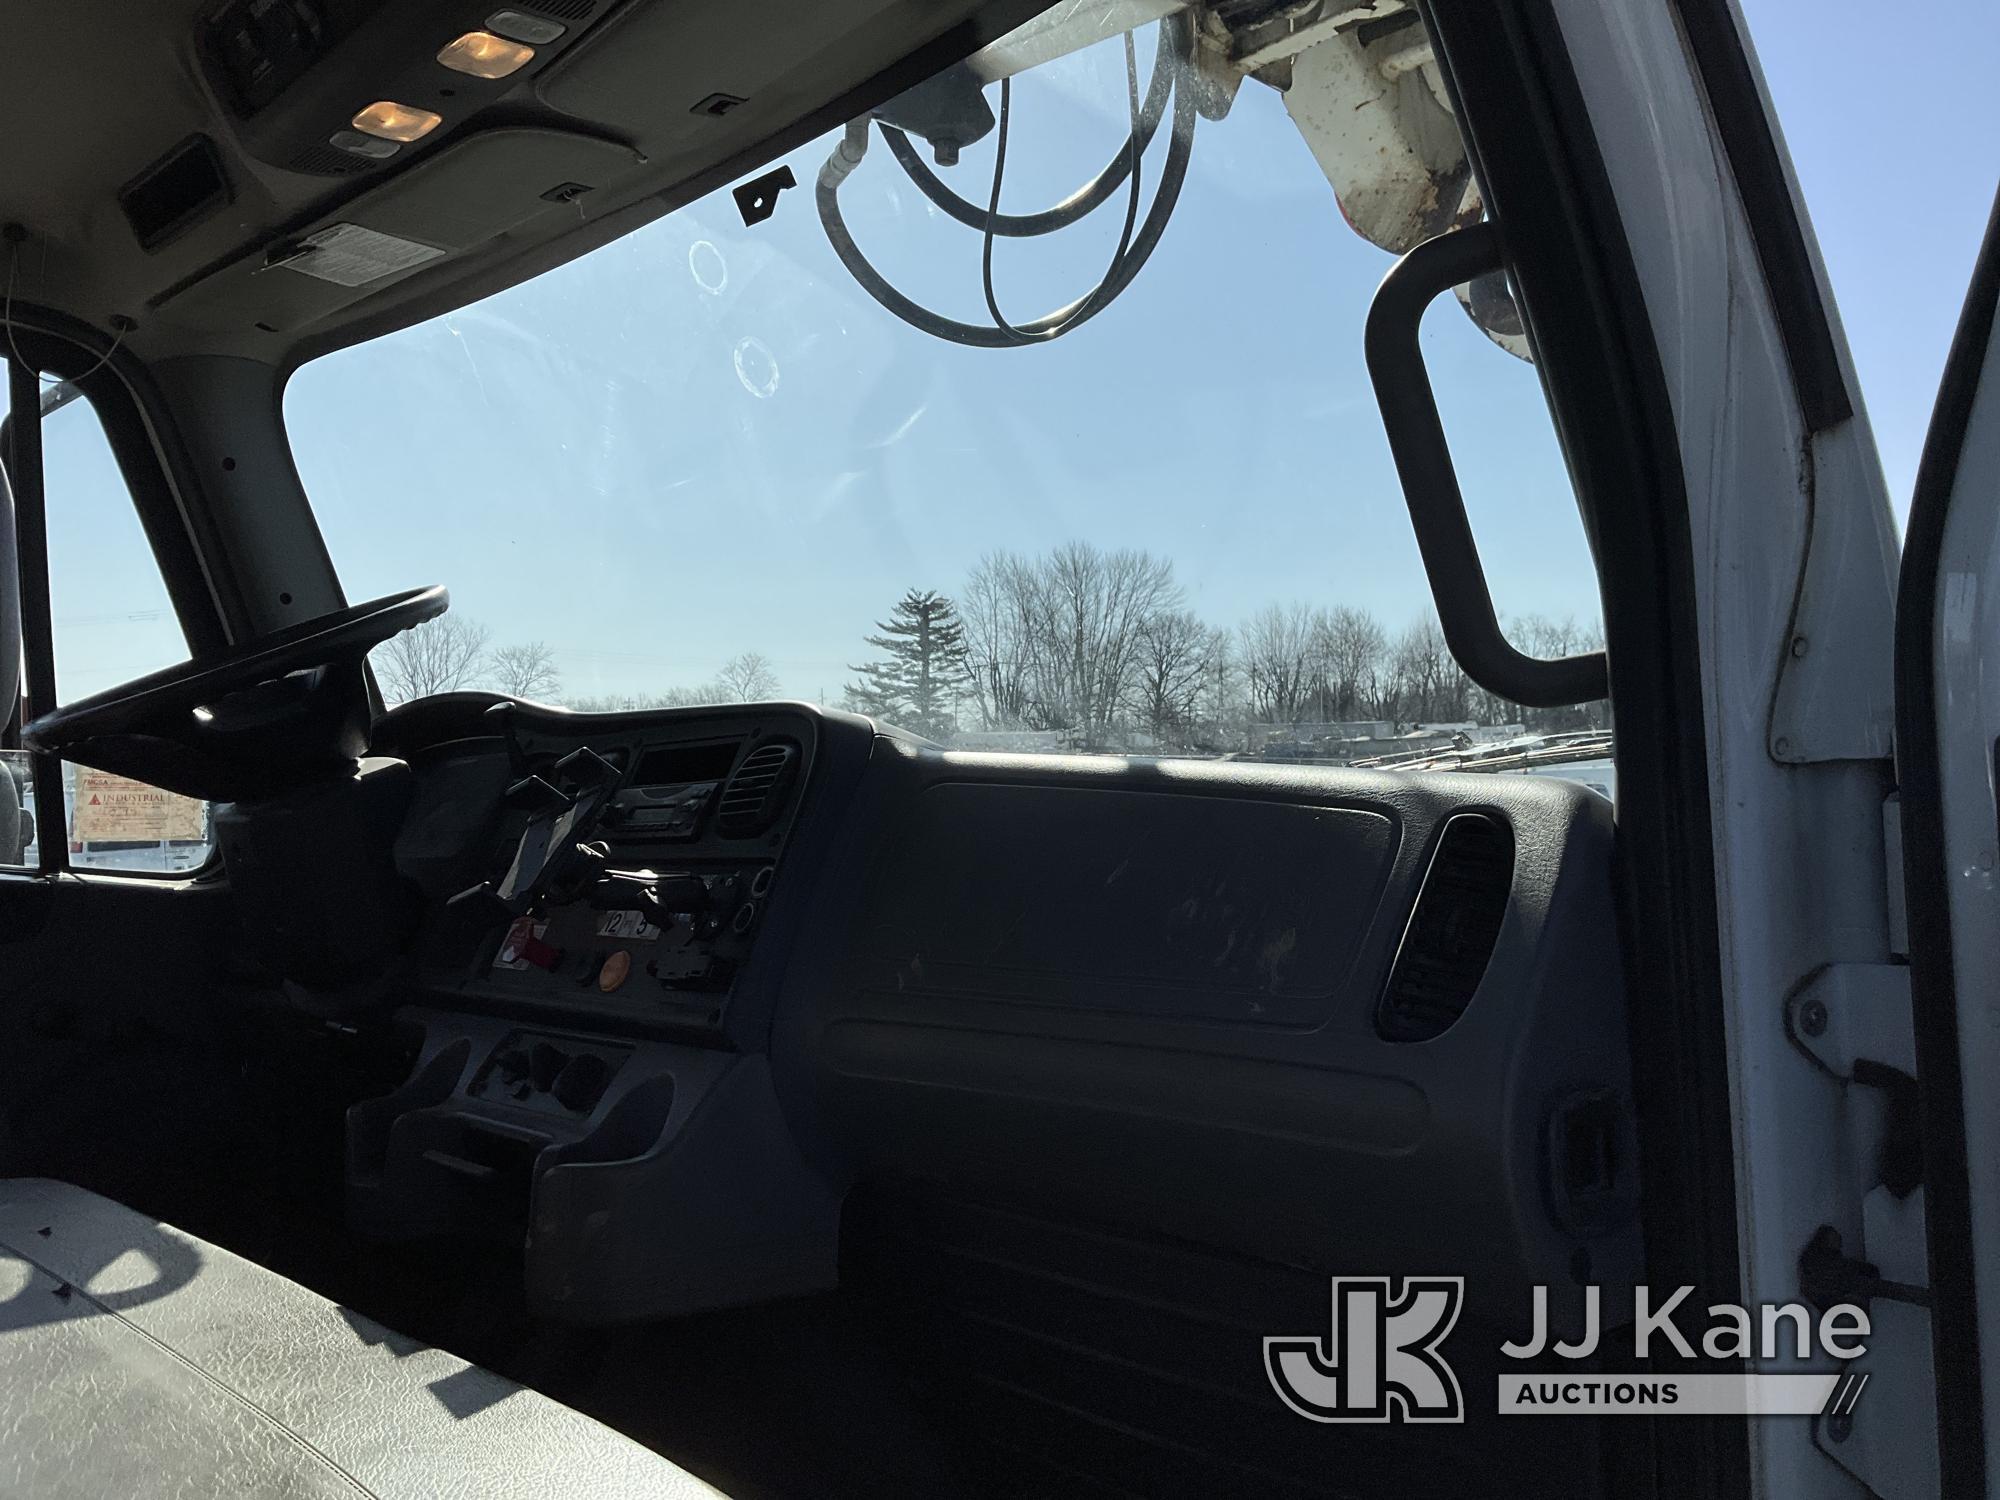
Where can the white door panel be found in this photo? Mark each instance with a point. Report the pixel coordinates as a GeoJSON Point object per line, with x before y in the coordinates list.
{"type": "Point", "coordinates": [1793, 538]}
{"type": "Point", "coordinates": [1948, 724]}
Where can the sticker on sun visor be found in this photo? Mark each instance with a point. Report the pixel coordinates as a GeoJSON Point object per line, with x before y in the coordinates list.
{"type": "Point", "coordinates": [352, 255]}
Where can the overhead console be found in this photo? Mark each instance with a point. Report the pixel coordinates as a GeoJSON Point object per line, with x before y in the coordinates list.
{"type": "Point", "coordinates": [298, 75]}
{"type": "Point", "coordinates": [322, 155]}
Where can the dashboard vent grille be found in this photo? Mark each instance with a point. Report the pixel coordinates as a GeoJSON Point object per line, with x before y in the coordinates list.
{"type": "Point", "coordinates": [1452, 931]}
{"type": "Point", "coordinates": [754, 795]}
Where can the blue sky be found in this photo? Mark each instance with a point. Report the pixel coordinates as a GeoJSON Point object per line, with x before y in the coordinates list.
{"type": "Point", "coordinates": [1896, 153]}
{"type": "Point", "coordinates": [704, 439]}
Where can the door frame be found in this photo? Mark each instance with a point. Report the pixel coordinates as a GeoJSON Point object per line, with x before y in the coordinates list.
{"type": "Point", "coordinates": [1938, 1022]}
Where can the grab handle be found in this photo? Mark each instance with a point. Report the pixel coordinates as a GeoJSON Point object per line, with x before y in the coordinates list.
{"type": "Point", "coordinates": [1430, 484]}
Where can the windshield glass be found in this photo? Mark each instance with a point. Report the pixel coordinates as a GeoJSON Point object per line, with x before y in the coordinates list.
{"type": "Point", "coordinates": [703, 463]}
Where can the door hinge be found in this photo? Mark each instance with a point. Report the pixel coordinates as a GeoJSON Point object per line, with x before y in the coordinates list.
{"type": "Point", "coordinates": [1829, 1276]}
{"type": "Point", "coordinates": [1853, 1020]}
{"type": "Point", "coordinates": [1846, 1014]}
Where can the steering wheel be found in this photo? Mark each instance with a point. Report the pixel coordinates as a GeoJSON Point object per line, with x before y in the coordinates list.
{"type": "Point", "coordinates": [260, 719]}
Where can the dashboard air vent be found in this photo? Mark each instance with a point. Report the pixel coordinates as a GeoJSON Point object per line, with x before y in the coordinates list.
{"type": "Point", "coordinates": [1452, 931]}
{"type": "Point", "coordinates": [754, 795]}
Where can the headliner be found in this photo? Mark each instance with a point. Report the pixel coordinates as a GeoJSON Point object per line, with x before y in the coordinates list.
{"type": "Point", "coordinates": [93, 94]}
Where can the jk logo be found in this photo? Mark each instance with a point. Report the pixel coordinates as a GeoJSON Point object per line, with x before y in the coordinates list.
{"type": "Point", "coordinates": [1380, 1363]}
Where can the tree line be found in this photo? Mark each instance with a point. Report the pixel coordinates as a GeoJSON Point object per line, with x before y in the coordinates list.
{"type": "Point", "coordinates": [453, 654]}
{"type": "Point", "coordinates": [1099, 646]}
{"type": "Point", "coordinates": [1103, 647]}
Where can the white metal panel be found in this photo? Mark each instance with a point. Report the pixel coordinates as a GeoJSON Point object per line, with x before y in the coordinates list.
{"type": "Point", "coordinates": [1798, 848]}
{"type": "Point", "coordinates": [1967, 666]}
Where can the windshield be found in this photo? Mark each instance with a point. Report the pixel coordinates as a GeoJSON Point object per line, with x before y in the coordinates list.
{"type": "Point", "coordinates": [704, 464]}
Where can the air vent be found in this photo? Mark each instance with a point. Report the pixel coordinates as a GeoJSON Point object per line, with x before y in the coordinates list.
{"type": "Point", "coordinates": [327, 161]}
{"type": "Point", "coordinates": [1452, 931]}
{"type": "Point", "coordinates": [752, 798]}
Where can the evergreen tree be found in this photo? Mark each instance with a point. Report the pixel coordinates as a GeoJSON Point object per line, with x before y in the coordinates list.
{"type": "Point", "coordinates": [922, 674]}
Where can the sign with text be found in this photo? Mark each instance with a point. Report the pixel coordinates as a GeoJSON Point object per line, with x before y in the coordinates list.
{"type": "Point", "coordinates": [116, 809]}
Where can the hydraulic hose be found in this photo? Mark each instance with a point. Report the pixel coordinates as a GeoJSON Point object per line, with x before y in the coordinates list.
{"type": "Point", "coordinates": [853, 148]}
{"type": "Point", "coordinates": [1078, 204]}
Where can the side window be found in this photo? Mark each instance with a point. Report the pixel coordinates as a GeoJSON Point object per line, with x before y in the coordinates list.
{"type": "Point", "coordinates": [111, 621]}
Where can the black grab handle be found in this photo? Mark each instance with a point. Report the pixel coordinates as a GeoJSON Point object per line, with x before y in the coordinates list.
{"type": "Point", "coordinates": [1430, 485]}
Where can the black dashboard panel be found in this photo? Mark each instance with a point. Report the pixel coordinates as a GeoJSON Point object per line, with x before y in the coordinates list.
{"type": "Point", "coordinates": [1197, 906]}
{"type": "Point", "coordinates": [1149, 997]}
{"type": "Point", "coordinates": [1337, 1021]}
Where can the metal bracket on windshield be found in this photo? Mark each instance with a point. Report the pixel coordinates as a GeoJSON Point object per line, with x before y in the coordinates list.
{"type": "Point", "coordinates": [757, 199]}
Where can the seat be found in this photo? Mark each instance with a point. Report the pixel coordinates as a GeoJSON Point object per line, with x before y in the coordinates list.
{"type": "Point", "coordinates": [136, 1360]}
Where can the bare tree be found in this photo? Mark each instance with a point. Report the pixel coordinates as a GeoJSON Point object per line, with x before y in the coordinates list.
{"type": "Point", "coordinates": [701, 695]}
{"type": "Point", "coordinates": [1170, 667]}
{"type": "Point", "coordinates": [747, 674]}
{"type": "Point", "coordinates": [1002, 640]}
{"type": "Point", "coordinates": [674, 697]}
{"type": "Point", "coordinates": [1429, 684]}
{"type": "Point", "coordinates": [1349, 644]}
{"type": "Point", "coordinates": [618, 703]}
{"type": "Point", "coordinates": [1093, 606]}
{"type": "Point", "coordinates": [1278, 662]}
{"type": "Point", "coordinates": [1219, 704]}
{"type": "Point", "coordinates": [1052, 642]}
{"type": "Point", "coordinates": [527, 671]}
{"type": "Point", "coordinates": [748, 678]}
{"type": "Point", "coordinates": [439, 656]}
{"type": "Point", "coordinates": [1538, 635]}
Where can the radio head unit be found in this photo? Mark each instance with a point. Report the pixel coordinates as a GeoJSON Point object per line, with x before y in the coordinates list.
{"type": "Point", "coordinates": [668, 792]}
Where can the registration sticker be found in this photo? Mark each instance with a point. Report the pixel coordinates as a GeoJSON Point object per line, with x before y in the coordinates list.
{"type": "Point", "coordinates": [626, 924]}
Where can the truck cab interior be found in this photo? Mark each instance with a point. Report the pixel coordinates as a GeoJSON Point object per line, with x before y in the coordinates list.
{"type": "Point", "coordinates": [759, 1093]}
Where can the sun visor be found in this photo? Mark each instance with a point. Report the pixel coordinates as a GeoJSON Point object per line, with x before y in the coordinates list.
{"type": "Point", "coordinates": [463, 198]}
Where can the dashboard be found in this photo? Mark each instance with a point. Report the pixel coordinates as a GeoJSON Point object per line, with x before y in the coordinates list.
{"type": "Point", "coordinates": [625, 872]}
{"type": "Point", "coordinates": [688, 985]}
